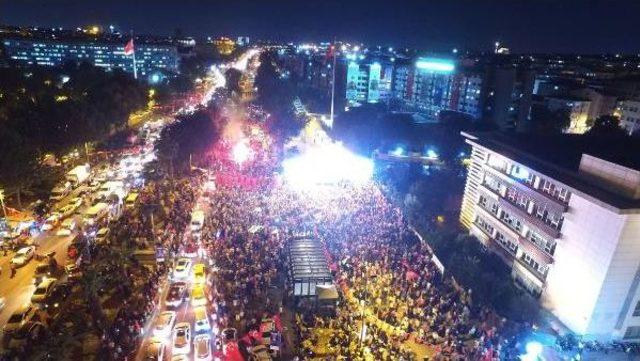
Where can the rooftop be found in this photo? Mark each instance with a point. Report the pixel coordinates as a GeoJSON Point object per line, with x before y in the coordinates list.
{"type": "Point", "coordinates": [559, 157]}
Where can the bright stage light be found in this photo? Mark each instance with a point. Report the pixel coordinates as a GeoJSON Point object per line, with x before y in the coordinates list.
{"type": "Point", "coordinates": [241, 152]}
{"type": "Point", "coordinates": [533, 351]}
{"type": "Point", "coordinates": [327, 164]}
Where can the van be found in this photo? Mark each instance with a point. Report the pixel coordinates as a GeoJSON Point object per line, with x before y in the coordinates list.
{"type": "Point", "coordinates": [131, 200]}
{"type": "Point", "coordinates": [96, 214]}
{"type": "Point", "coordinates": [197, 220]}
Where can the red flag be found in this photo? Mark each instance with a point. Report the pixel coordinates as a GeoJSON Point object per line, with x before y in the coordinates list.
{"type": "Point", "coordinates": [129, 49]}
{"type": "Point", "coordinates": [330, 53]}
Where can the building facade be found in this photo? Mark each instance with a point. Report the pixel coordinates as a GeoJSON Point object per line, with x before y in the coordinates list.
{"type": "Point", "coordinates": [628, 111]}
{"type": "Point", "coordinates": [571, 237]}
{"type": "Point", "coordinates": [107, 55]}
{"type": "Point", "coordinates": [368, 82]}
{"type": "Point", "coordinates": [431, 85]}
{"type": "Point", "coordinates": [577, 108]}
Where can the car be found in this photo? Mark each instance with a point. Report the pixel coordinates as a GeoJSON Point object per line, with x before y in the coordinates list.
{"type": "Point", "coordinates": [164, 324]}
{"type": "Point", "coordinates": [197, 221]}
{"type": "Point", "coordinates": [51, 222]}
{"type": "Point", "coordinates": [182, 268]}
{"type": "Point", "coordinates": [18, 319]}
{"type": "Point", "coordinates": [155, 350]}
{"type": "Point", "coordinates": [28, 333]}
{"type": "Point", "coordinates": [23, 256]}
{"type": "Point", "coordinates": [201, 319]}
{"type": "Point", "coordinates": [70, 208]}
{"type": "Point", "coordinates": [176, 294]}
{"type": "Point", "coordinates": [43, 270]}
{"type": "Point", "coordinates": [198, 297]}
{"type": "Point", "coordinates": [67, 226]}
{"type": "Point", "coordinates": [59, 293]}
{"type": "Point", "coordinates": [182, 338]}
{"type": "Point", "coordinates": [180, 358]}
{"type": "Point", "coordinates": [202, 347]}
{"type": "Point", "coordinates": [260, 353]}
{"type": "Point", "coordinates": [43, 290]}
{"type": "Point", "coordinates": [199, 275]}
{"type": "Point", "coordinates": [101, 235]}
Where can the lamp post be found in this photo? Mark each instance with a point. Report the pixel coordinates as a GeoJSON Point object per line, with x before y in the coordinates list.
{"type": "Point", "coordinates": [4, 210]}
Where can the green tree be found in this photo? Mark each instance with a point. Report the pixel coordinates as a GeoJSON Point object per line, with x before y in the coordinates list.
{"type": "Point", "coordinates": [546, 121]}
{"type": "Point", "coordinates": [92, 282]}
{"type": "Point", "coordinates": [607, 125]}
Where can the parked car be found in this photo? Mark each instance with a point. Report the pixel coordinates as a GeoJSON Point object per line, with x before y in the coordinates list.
{"type": "Point", "coordinates": [51, 222]}
{"type": "Point", "coordinates": [182, 338]}
{"type": "Point", "coordinates": [43, 290]}
{"type": "Point", "coordinates": [182, 268]}
{"type": "Point", "coordinates": [201, 319]}
{"type": "Point", "coordinates": [18, 319]}
{"type": "Point", "coordinates": [68, 225]}
{"type": "Point", "coordinates": [155, 350]}
{"type": "Point", "coordinates": [102, 234]}
{"type": "Point", "coordinates": [23, 256]}
{"type": "Point", "coordinates": [176, 294]}
{"type": "Point", "coordinates": [27, 334]}
{"type": "Point", "coordinates": [164, 324]}
{"type": "Point", "coordinates": [198, 297]}
{"type": "Point", "coordinates": [202, 347]}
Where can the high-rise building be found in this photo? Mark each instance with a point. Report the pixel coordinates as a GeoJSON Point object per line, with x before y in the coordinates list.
{"type": "Point", "coordinates": [368, 81]}
{"type": "Point", "coordinates": [109, 55]}
{"type": "Point", "coordinates": [431, 85]}
{"type": "Point", "coordinates": [564, 213]}
{"type": "Point", "coordinates": [507, 96]}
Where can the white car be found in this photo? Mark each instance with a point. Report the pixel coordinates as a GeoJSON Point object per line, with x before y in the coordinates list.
{"type": "Point", "coordinates": [102, 234]}
{"type": "Point", "coordinates": [51, 222]}
{"type": "Point", "coordinates": [67, 226]}
{"type": "Point", "coordinates": [23, 256]}
{"type": "Point", "coordinates": [155, 350]}
{"type": "Point", "coordinates": [201, 319]}
{"type": "Point", "coordinates": [183, 268]}
{"type": "Point", "coordinates": [18, 319]}
{"type": "Point", "coordinates": [182, 338]}
{"type": "Point", "coordinates": [202, 347]}
{"type": "Point", "coordinates": [164, 324]}
{"type": "Point", "coordinates": [43, 290]}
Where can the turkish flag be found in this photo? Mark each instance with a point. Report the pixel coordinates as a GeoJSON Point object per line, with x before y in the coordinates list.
{"type": "Point", "coordinates": [129, 49]}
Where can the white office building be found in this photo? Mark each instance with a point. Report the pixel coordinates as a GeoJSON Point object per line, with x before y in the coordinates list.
{"type": "Point", "coordinates": [564, 214]}
{"type": "Point", "coordinates": [628, 111]}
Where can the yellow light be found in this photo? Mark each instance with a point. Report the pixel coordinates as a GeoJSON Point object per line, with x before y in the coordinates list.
{"type": "Point", "coordinates": [61, 98]}
{"type": "Point", "coordinates": [152, 92]}
{"type": "Point", "coordinates": [94, 30]}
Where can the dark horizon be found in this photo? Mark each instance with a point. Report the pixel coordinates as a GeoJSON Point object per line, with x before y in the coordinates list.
{"type": "Point", "coordinates": [544, 26]}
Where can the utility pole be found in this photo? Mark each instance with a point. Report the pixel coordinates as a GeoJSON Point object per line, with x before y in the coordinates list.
{"type": "Point", "coordinates": [333, 80]}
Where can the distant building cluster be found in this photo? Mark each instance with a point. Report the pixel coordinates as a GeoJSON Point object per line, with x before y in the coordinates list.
{"type": "Point", "coordinates": [155, 57]}
{"type": "Point", "coordinates": [495, 86]}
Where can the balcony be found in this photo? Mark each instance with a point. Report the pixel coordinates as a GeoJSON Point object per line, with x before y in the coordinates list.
{"type": "Point", "coordinates": [538, 196]}
{"type": "Point", "coordinates": [530, 219]}
{"type": "Point", "coordinates": [540, 276]}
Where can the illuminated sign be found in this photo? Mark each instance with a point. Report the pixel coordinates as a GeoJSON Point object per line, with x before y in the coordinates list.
{"type": "Point", "coordinates": [435, 65]}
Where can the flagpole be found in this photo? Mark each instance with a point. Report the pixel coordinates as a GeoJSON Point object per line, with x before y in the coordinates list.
{"type": "Point", "coordinates": [333, 81]}
{"type": "Point", "coordinates": [135, 67]}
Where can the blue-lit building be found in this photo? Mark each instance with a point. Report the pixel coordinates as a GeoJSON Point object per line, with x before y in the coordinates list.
{"type": "Point", "coordinates": [151, 58]}
{"type": "Point", "coordinates": [368, 81]}
{"type": "Point", "coordinates": [431, 85]}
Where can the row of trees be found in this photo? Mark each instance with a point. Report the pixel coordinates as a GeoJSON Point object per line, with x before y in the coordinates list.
{"type": "Point", "coordinates": [190, 135]}
{"type": "Point", "coordinates": [55, 110]}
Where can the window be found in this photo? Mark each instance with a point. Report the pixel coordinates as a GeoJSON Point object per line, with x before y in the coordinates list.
{"type": "Point", "coordinates": [494, 208]}
{"type": "Point", "coordinates": [636, 311]}
{"type": "Point", "coordinates": [483, 201]}
{"type": "Point", "coordinates": [632, 332]}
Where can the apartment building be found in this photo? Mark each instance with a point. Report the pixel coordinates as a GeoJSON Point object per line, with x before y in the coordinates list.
{"type": "Point", "coordinates": [564, 213]}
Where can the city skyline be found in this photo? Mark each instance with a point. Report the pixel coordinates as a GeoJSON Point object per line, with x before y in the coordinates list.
{"type": "Point", "coordinates": [523, 26]}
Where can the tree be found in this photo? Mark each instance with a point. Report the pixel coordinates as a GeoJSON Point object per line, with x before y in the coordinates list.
{"type": "Point", "coordinates": [92, 282]}
{"type": "Point", "coordinates": [607, 125]}
{"type": "Point", "coordinates": [546, 121]}
{"type": "Point", "coordinates": [17, 163]}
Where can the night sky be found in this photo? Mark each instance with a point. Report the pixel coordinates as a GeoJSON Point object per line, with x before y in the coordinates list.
{"type": "Point", "coordinates": [568, 26]}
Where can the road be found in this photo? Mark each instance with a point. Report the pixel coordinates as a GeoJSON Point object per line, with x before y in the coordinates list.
{"type": "Point", "coordinates": [185, 313]}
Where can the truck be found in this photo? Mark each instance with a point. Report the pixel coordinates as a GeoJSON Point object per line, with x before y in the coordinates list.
{"type": "Point", "coordinates": [78, 175]}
